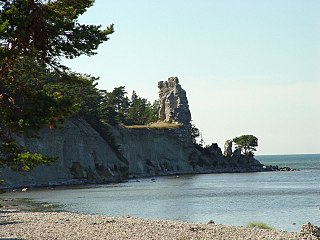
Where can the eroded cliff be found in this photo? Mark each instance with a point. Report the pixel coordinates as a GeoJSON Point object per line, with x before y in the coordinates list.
{"type": "Point", "coordinates": [84, 156]}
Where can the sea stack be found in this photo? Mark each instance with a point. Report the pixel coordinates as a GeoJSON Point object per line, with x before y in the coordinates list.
{"type": "Point", "coordinates": [173, 100]}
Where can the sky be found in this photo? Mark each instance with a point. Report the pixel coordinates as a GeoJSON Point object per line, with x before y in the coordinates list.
{"type": "Point", "coordinates": [248, 66]}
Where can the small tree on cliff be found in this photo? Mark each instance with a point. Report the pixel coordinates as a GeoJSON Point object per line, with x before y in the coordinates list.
{"type": "Point", "coordinates": [247, 144]}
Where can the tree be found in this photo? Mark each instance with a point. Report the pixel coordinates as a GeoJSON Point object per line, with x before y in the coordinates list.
{"type": "Point", "coordinates": [34, 36]}
{"type": "Point", "coordinates": [153, 110]}
{"type": "Point", "coordinates": [47, 30]}
{"type": "Point", "coordinates": [81, 90]}
{"type": "Point", "coordinates": [195, 134]}
{"type": "Point", "coordinates": [247, 144]}
{"type": "Point", "coordinates": [141, 111]}
{"type": "Point", "coordinates": [136, 112]}
{"type": "Point", "coordinates": [114, 106]}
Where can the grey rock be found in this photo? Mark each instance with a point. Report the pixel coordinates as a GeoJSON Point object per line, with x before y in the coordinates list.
{"type": "Point", "coordinates": [84, 156]}
{"type": "Point", "coordinates": [311, 231]}
{"type": "Point", "coordinates": [173, 102]}
{"type": "Point", "coordinates": [237, 153]}
{"type": "Point", "coordinates": [152, 152]}
{"type": "Point", "coordinates": [228, 148]}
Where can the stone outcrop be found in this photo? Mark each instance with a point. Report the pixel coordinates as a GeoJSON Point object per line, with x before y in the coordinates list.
{"type": "Point", "coordinates": [310, 231]}
{"type": "Point", "coordinates": [234, 159]}
{"type": "Point", "coordinates": [228, 148]}
{"type": "Point", "coordinates": [173, 102]}
{"type": "Point", "coordinates": [277, 168]}
{"type": "Point", "coordinates": [87, 157]}
{"type": "Point", "coordinates": [152, 152]}
{"type": "Point", "coordinates": [84, 156]}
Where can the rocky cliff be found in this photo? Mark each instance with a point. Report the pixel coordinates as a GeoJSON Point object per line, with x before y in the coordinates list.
{"type": "Point", "coordinates": [86, 157]}
{"type": "Point", "coordinates": [152, 152]}
{"type": "Point", "coordinates": [83, 156]}
{"type": "Point", "coordinates": [173, 101]}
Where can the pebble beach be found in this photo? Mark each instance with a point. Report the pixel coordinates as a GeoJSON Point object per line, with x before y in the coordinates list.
{"type": "Point", "coordinates": [16, 224]}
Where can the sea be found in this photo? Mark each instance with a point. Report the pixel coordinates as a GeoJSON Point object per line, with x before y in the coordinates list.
{"type": "Point", "coordinates": [283, 200]}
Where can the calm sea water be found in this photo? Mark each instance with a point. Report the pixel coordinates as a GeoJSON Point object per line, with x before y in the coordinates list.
{"type": "Point", "coordinates": [284, 200]}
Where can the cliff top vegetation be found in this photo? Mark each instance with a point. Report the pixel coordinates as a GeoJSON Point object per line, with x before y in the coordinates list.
{"type": "Point", "coordinates": [156, 125]}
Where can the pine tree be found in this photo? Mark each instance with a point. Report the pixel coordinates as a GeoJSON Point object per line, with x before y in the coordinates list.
{"type": "Point", "coordinates": [34, 36]}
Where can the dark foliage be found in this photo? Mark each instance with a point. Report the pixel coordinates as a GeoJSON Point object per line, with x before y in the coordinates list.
{"type": "Point", "coordinates": [247, 144]}
{"type": "Point", "coordinates": [35, 88]}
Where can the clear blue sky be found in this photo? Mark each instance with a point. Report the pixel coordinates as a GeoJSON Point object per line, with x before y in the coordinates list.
{"type": "Point", "coordinates": [248, 66]}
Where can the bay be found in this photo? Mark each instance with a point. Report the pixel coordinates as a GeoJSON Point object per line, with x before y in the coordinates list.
{"type": "Point", "coordinates": [283, 200]}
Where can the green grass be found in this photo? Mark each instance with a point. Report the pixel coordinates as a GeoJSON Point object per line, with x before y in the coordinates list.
{"type": "Point", "coordinates": [157, 125]}
{"type": "Point", "coordinates": [259, 225]}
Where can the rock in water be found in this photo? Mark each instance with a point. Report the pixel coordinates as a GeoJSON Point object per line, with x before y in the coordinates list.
{"type": "Point", "coordinates": [173, 102]}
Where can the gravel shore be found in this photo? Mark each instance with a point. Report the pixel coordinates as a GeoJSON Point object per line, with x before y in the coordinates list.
{"type": "Point", "coordinates": [64, 225]}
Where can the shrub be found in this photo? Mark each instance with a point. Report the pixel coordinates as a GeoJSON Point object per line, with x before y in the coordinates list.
{"type": "Point", "coordinates": [259, 225]}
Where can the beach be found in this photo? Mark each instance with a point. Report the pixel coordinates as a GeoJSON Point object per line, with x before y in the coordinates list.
{"type": "Point", "coordinates": [16, 224]}
{"type": "Point", "coordinates": [45, 213]}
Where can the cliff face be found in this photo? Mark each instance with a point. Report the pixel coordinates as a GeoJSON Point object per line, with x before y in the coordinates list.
{"type": "Point", "coordinates": [83, 156]}
{"type": "Point", "coordinates": [155, 151]}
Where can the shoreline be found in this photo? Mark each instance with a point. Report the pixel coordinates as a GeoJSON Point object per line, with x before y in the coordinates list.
{"type": "Point", "coordinates": [20, 219]}
{"type": "Point", "coordinates": [27, 219]}
{"type": "Point", "coordinates": [15, 224]}
{"type": "Point", "coordinates": [85, 182]}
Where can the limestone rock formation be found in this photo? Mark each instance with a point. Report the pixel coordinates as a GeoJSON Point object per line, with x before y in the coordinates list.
{"type": "Point", "coordinates": [153, 152]}
{"type": "Point", "coordinates": [228, 148]}
{"type": "Point", "coordinates": [173, 102]}
{"type": "Point", "coordinates": [84, 156]}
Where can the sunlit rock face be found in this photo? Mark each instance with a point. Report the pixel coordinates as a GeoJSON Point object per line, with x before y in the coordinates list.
{"type": "Point", "coordinates": [228, 148]}
{"type": "Point", "coordinates": [173, 100]}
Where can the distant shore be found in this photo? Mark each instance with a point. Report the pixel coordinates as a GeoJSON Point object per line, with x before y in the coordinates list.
{"type": "Point", "coordinates": [72, 226]}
